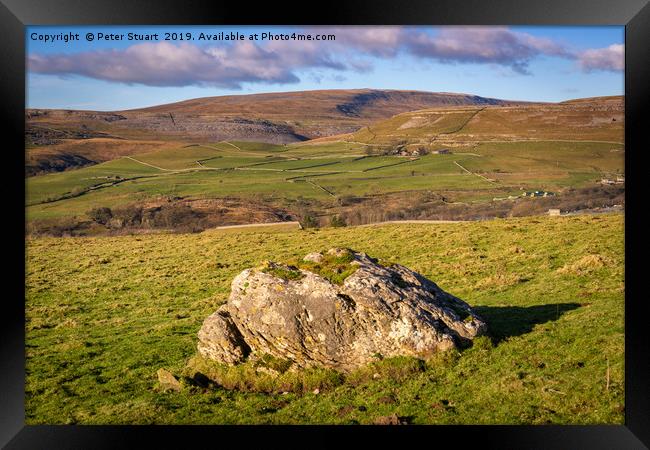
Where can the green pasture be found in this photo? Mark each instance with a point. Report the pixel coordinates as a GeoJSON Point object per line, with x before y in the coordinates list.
{"type": "Point", "coordinates": [104, 314]}
{"type": "Point", "coordinates": [219, 170]}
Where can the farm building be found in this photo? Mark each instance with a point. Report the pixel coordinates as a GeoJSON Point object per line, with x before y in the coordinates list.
{"type": "Point", "coordinates": [609, 181]}
{"type": "Point", "coordinates": [538, 194]}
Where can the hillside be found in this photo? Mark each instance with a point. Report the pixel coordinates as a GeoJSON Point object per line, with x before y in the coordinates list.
{"type": "Point", "coordinates": [591, 119]}
{"type": "Point", "coordinates": [75, 153]}
{"type": "Point", "coordinates": [277, 117]}
{"type": "Point", "coordinates": [610, 99]}
{"type": "Point", "coordinates": [272, 118]}
{"type": "Point", "coordinates": [390, 169]}
{"type": "Point", "coordinates": [335, 104]}
{"type": "Point", "coordinates": [60, 139]}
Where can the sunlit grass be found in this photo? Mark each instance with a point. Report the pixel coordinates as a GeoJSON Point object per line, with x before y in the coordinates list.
{"type": "Point", "coordinates": [104, 314]}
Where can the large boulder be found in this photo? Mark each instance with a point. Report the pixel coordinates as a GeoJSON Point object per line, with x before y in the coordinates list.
{"type": "Point", "coordinates": [340, 310]}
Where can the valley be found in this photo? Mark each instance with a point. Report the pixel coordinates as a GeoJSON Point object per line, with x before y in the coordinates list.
{"type": "Point", "coordinates": [466, 162]}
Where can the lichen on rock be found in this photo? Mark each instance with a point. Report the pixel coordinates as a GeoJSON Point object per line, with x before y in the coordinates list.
{"type": "Point", "coordinates": [337, 310]}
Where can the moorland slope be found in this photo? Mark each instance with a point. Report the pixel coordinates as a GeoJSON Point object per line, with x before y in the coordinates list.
{"type": "Point", "coordinates": [52, 135]}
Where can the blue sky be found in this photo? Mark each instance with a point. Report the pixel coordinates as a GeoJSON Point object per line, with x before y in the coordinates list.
{"type": "Point", "coordinates": [519, 63]}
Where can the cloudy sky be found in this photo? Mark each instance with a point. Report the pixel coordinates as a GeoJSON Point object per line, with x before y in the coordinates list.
{"type": "Point", "coordinates": [519, 63]}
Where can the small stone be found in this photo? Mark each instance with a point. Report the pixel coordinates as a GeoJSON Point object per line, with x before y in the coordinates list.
{"type": "Point", "coordinates": [376, 376]}
{"type": "Point", "coordinates": [316, 391]}
{"type": "Point", "coordinates": [339, 252]}
{"type": "Point", "coordinates": [313, 257]}
{"type": "Point", "coordinates": [167, 381]}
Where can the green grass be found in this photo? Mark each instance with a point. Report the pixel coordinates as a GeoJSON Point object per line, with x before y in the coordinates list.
{"type": "Point", "coordinates": [179, 158]}
{"type": "Point", "coordinates": [326, 149]}
{"type": "Point", "coordinates": [230, 162]}
{"type": "Point", "coordinates": [375, 162]}
{"type": "Point", "coordinates": [44, 187]}
{"type": "Point", "coordinates": [523, 157]}
{"type": "Point", "coordinates": [104, 314]}
{"type": "Point", "coordinates": [372, 183]}
{"type": "Point", "coordinates": [266, 375]}
{"type": "Point", "coordinates": [318, 164]}
{"type": "Point", "coordinates": [254, 170]}
{"type": "Point", "coordinates": [259, 146]}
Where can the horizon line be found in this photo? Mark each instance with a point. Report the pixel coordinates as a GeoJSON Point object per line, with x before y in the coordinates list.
{"type": "Point", "coordinates": [321, 90]}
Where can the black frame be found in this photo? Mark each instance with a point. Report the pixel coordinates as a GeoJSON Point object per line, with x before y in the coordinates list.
{"type": "Point", "coordinates": [634, 14]}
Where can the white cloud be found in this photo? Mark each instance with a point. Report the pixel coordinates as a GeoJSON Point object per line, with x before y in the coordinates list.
{"type": "Point", "coordinates": [355, 49]}
{"type": "Point", "coordinates": [610, 58]}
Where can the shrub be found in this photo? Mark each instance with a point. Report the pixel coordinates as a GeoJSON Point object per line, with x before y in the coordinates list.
{"type": "Point", "coordinates": [101, 215]}
{"type": "Point", "coordinates": [428, 205]}
{"type": "Point", "coordinates": [127, 216]}
{"type": "Point", "coordinates": [180, 217]}
{"type": "Point", "coordinates": [347, 200]}
{"type": "Point", "coordinates": [337, 221]}
{"type": "Point", "coordinates": [65, 226]}
{"type": "Point", "coordinates": [309, 221]}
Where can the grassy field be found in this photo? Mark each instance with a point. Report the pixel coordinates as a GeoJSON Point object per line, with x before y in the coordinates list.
{"type": "Point", "coordinates": [104, 314]}
{"type": "Point", "coordinates": [247, 170]}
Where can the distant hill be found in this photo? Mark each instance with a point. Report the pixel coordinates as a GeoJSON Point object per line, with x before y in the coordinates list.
{"type": "Point", "coordinates": [61, 139]}
{"type": "Point", "coordinates": [606, 100]}
{"type": "Point", "coordinates": [598, 118]}
{"type": "Point", "coordinates": [349, 105]}
{"type": "Point", "coordinates": [275, 117]}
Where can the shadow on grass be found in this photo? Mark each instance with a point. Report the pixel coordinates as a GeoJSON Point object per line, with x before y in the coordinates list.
{"type": "Point", "coordinates": [507, 321]}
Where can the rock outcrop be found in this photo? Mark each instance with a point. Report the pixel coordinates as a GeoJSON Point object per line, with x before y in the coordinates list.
{"type": "Point", "coordinates": [340, 310]}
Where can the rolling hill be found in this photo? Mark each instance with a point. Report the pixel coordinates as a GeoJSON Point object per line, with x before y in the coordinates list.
{"type": "Point", "coordinates": [358, 105]}
{"type": "Point", "coordinates": [464, 155]}
{"type": "Point", "coordinates": [277, 118]}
